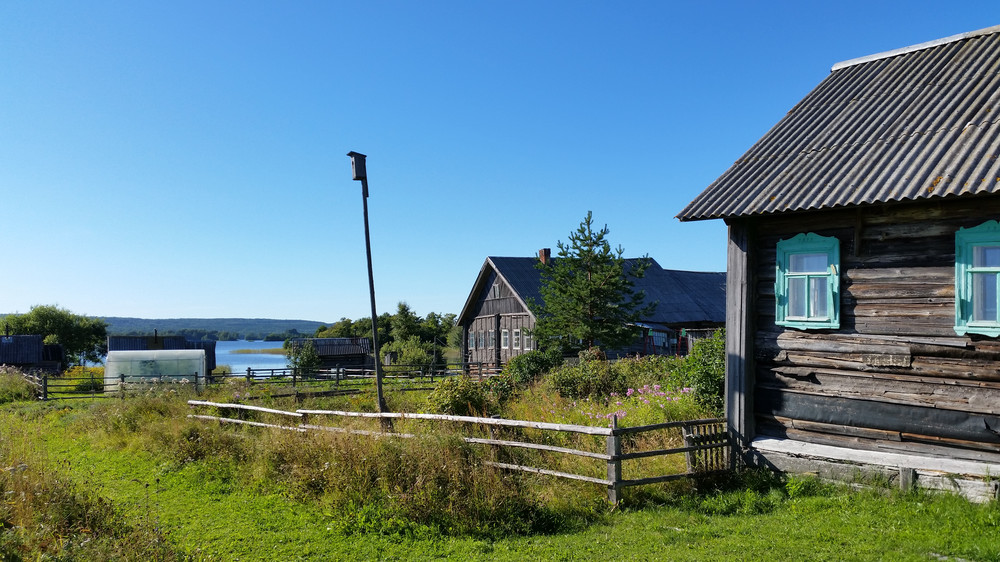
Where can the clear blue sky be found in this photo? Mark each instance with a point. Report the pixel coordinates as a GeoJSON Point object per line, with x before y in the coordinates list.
{"type": "Point", "coordinates": [187, 159]}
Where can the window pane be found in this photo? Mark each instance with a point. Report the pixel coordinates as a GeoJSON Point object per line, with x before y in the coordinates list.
{"type": "Point", "coordinates": [817, 297]}
{"type": "Point", "coordinates": [797, 297]}
{"type": "Point", "coordinates": [984, 297]}
{"type": "Point", "coordinates": [807, 263]}
{"type": "Point", "coordinates": [986, 256]}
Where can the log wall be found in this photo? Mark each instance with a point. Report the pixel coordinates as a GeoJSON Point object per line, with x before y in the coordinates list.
{"type": "Point", "coordinates": [895, 376]}
{"type": "Point", "coordinates": [497, 309]}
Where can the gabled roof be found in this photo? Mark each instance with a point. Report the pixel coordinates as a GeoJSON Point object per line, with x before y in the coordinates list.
{"type": "Point", "coordinates": [684, 297]}
{"type": "Point", "coordinates": [908, 124]}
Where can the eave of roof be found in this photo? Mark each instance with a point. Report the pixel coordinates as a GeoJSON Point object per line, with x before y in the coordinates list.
{"type": "Point", "coordinates": [909, 124]}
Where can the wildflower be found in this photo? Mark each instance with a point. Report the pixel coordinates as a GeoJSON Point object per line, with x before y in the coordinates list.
{"type": "Point", "coordinates": [629, 393]}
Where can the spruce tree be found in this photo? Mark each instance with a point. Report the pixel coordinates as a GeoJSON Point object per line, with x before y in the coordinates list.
{"type": "Point", "coordinates": [588, 294]}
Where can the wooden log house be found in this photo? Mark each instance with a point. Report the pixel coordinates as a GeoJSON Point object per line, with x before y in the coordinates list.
{"type": "Point", "coordinates": [863, 297]}
{"type": "Point", "coordinates": [497, 321]}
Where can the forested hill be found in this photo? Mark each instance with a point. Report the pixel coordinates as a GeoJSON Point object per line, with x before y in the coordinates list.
{"type": "Point", "coordinates": [224, 328]}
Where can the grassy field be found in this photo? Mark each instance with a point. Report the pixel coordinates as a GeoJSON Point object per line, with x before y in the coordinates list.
{"type": "Point", "coordinates": [135, 479]}
{"type": "Point", "coordinates": [206, 507]}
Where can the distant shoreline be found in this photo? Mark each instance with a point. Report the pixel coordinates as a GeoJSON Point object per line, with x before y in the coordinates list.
{"type": "Point", "coordinates": [269, 350]}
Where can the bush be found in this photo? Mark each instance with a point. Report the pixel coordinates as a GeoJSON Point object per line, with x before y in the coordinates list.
{"type": "Point", "coordinates": [528, 367]}
{"type": "Point", "coordinates": [501, 388]}
{"type": "Point", "coordinates": [588, 379]}
{"type": "Point", "coordinates": [13, 387]}
{"type": "Point", "coordinates": [458, 396]}
{"type": "Point", "coordinates": [705, 371]}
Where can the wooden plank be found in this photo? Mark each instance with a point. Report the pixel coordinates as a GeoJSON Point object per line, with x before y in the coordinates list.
{"type": "Point", "coordinates": [536, 446]}
{"type": "Point", "coordinates": [244, 422]}
{"type": "Point", "coordinates": [585, 429]}
{"type": "Point", "coordinates": [676, 450]}
{"type": "Point", "coordinates": [796, 341]}
{"type": "Point", "coordinates": [356, 431]}
{"type": "Point", "coordinates": [658, 479]}
{"type": "Point", "coordinates": [665, 425]}
{"type": "Point", "coordinates": [244, 407]}
{"type": "Point", "coordinates": [740, 326]}
{"type": "Point", "coordinates": [547, 472]}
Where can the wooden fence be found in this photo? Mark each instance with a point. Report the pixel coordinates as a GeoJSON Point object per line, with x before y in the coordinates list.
{"type": "Point", "coordinates": [706, 442]}
{"type": "Point", "coordinates": [335, 381]}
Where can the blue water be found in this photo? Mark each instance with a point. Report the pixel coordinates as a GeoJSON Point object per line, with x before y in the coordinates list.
{"type": "Point", "coordinates": [240, 361]}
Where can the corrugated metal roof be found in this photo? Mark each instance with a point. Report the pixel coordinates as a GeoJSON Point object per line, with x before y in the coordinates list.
{"type": "Point", "coordinates": [20, 350]}
{"type": "Point", "coordinates": [335, 347]}
{"type": "Point", "coordinates": [910, 124]}
{"type": "Point", "coordinates": [684, 297]}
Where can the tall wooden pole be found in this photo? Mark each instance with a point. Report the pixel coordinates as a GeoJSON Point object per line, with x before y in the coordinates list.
{"type": "Point", "coordinates": [360, 173]}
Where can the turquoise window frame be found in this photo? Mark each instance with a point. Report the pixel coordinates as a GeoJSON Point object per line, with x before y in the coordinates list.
{"type": "Point", "coordinates": [966, 241]}
{"type": "Point", "coordinates": [808, 243]}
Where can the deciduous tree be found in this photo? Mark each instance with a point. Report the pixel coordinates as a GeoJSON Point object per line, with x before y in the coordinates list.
{"type": "Point", "coordinates": [82, 337]}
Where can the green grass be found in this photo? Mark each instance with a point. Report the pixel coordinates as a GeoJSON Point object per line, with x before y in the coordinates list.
{"type": "Point", "coordinates": [205, 516]}
{"type": "Point", "coordinates": [135, 479]}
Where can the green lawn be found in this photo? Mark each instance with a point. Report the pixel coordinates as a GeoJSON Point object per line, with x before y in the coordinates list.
{"type": "Point", "coordinates": [198, 508]}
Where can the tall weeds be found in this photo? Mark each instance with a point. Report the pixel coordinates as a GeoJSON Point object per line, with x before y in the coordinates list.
{"type": "Point", "coordinates": [44, 515]}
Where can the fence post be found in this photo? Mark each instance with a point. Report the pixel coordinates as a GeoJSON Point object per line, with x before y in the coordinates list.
{"type": "Point", "coordinates": [249, 375]}
{"type": "Point", "coordinates": [615, 462]}
{"type": "Point", "coordinates": [121, 385]}
{"type": "Point", "coordinates": [295, 371]}
{"type": "Point", "coordinates": [45, 387]}
{"type": "Point", "coordinates": [686, 433]}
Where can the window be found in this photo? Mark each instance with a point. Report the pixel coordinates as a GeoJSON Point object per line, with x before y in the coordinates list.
{"type": "Point", "coordinates": [492, 341]}
{"type": "Point", "coordinates": [807, 282]}
{"type": "Point", "coordinates": [482, 340]}
{"type": "Point", "coordinates": [517, 339]}
{"type": "Point", "coordinates": [977, 279]}
{"type": "Point", "coordinates": [527, 341]}
{"type": "Point", "coordinates": [505, 339]}
{"type": "Point", "coordinates": [472, 340]}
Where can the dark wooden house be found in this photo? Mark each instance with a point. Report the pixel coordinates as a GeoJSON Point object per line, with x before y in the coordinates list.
{"type": "Point", "coordinates": [30, 353]}
{"type": "Point", "coordinates": [863, 292]}
{"type": "Point", "coordinates": [497, 322]}
{"type": "Point", "coordinates": [154, 342]}
{"type": "Point", "coordinates": [341, 352]}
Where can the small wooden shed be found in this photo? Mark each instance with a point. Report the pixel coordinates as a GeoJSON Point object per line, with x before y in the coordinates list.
{"type": "Point", "coordinates": [863, 297]}
{"type": "Point", "coordinates": [341, 352]}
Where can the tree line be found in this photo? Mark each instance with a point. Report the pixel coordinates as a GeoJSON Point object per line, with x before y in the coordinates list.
{"type": "Point", "coordinates": [404, 337]}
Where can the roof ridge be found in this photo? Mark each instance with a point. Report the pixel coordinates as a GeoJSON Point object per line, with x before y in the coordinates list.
{"type": "Point", "coordinates": [917, 47]}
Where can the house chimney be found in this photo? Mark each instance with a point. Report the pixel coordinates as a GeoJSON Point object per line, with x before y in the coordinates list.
{"type": "Point", "coordinates": [543, 255]}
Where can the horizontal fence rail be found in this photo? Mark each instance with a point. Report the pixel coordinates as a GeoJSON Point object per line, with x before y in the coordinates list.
{"type": "Point", "coordinates": [706, 441]}
{"type": "Point", "coordinates": [341, 380]}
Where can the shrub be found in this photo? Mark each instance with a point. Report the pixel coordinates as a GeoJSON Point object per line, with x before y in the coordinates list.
{"type": "Point", "coordinates": [13, 386]}
{"type": "Point", "coordinates": [459, 396]}
{"type": "Point", "coordinates": [592, 354]}
{"type": "Point", "coordinates": [705, 371]}
{"type": "Point", "coordinates": [587, 379]}
{"type": "Point", "coordinates": [528, 367]}
{"type": "Point", "coordinates": [501, 388]}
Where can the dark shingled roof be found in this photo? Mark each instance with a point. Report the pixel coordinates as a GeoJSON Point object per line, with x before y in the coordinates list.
{"type": "Point", "coordinates": [684, 297]}
{"type": "Point", "coordinates": [909, 124]}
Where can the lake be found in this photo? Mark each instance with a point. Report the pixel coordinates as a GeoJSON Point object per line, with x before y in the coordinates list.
{"type": "Point", "coordinates": [240, 361]}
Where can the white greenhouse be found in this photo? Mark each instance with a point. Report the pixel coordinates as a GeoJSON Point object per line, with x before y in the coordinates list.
{"type": "Point", "coordinates": [152, 366]}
